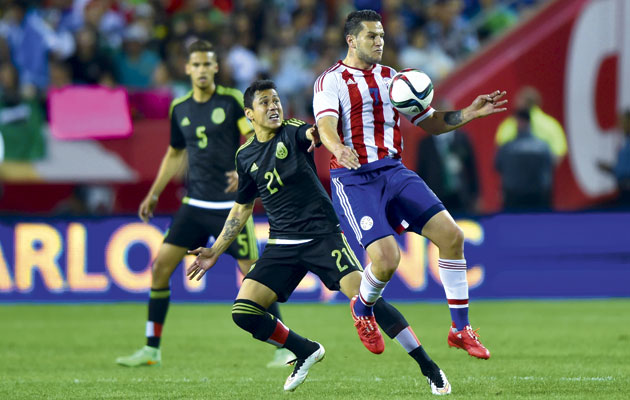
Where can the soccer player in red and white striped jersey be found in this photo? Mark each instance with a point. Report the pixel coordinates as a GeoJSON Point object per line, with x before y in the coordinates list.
{"type": "Point", "coordinates": [373, 193]}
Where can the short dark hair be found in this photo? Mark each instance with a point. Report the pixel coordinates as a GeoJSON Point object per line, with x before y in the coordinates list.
{"type": "Point", "coordinates": [261, 84]}
{"type": "Point", "coordinates": [199, 45]}
{"type": "Point", "coordinates": [353, 22]}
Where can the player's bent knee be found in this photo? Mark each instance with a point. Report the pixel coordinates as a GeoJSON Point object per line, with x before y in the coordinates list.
{"type": "Point", "coordinates": [248, 315]}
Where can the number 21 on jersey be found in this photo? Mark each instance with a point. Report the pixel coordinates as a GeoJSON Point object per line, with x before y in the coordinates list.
{"type": "Point", "coordinates": [270, 176]}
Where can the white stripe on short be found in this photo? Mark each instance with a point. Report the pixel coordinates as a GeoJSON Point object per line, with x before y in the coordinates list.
{"type": "Point", "coordinates": [345, 204]}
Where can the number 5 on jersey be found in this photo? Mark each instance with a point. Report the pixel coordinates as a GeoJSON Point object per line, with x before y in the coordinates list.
{"type": "Point", "coordinates": [270, 177]}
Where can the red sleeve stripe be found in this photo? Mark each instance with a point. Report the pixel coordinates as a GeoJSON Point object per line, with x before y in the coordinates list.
{"type": "Point", "coordinates": [327, 110]}
{"type": "Point", "coordinates": [456, 301]}
{"type": "Point", "coordinates": [319, 85]}
{"type": "Point", "coordinates": [413, 120]}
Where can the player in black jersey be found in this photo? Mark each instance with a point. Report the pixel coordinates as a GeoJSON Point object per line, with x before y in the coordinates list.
{"type": "Point", "coordinates": [206, 126]}
{"type": "Point", "coordinates": [304, 235]}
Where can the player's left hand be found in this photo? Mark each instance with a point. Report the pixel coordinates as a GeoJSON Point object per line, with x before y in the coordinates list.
{"type": "Point", "coordinates": [232, 181]}
{"type": "Point", "coordinates": [206, 258]}
{"type": "Point", "coordinates": [313, 134]}
{"type": "Point", "coordinates": [487, 104]}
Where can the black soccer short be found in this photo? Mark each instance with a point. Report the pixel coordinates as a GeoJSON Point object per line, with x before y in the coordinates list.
{"type": "Point", "coordinates": [192, 226]}
{"type": "Point", "coordinates": [282, 266]}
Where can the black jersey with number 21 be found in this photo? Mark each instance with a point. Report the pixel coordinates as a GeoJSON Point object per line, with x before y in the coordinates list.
{"type": "Point", "coordinates": [283, 174]}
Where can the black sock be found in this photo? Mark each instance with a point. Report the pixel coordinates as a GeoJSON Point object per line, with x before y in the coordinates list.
{"type": "Point", "coordinates": [427, 365]}
{"type": "Point", "coordinates": [253, 318]}
{"type": "Point", "coordinates": [300, 346]}
{"type": "Point", "coordinates": [389, 318]}
{"type": "Point", "coordinates": [158, 307]}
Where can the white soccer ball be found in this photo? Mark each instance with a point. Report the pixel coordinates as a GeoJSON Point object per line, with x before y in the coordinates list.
{"type": "Point", "coordinates": [411, 91]}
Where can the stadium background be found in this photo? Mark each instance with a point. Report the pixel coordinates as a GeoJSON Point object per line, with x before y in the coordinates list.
{"type": "Point", "coordinates": [68, 231]}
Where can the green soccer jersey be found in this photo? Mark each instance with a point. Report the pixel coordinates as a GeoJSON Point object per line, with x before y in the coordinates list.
{"type": "Point", "coordinates": [283, 174]}
{"type": "Point", "coordinates": [210, 132]}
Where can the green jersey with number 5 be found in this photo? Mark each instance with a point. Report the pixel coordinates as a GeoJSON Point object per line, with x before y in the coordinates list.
{"type": "Point", "coordinates": [211, 133]}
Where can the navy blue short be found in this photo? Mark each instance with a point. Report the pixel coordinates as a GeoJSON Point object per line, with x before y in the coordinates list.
{"type": "Point", "coordinates": [381, 198]}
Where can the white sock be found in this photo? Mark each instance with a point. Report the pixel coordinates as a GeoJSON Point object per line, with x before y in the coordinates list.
{"type": "Point", "coordinates": [371, 288]}
{"type": "Point", "coordinates": [453, 276]}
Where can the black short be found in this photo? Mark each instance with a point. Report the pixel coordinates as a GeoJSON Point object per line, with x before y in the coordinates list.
{"type": "Point", "coordinates": [192, 226]}
{"type": "Point", "coordinates": [282, 266]}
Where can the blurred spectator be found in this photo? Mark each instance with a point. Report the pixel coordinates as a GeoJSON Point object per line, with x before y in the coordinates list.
{"type": "Point", "coordinates": [33, 35]}
{"type": "Point", "coordinates": [135, 64]}
{"type": "Point", "coordinates": [420, 54]}
{"type": "Point", "coordinates": [241, 59]}
{"type": "Point", "coordinates": [87, 200]}
{"type": "Point", "coordinates": [292, 75]}
{"type": "Point", "coordinates": [59, 74]}
{"type": "Point", "coordinates": [621, 169]}
{"type": "Point", "coordinates": [526, 168]}
{"type": "Point", "coordinates": [101, 16]}
{"type": "Point", "coordinates": [447, 164]}
{"type": "Point", "coordinates": [495, 18]}
{"type": "Point", "coordinates": [21, 119]}
{"type": "Point", "coordinates": [449, 29]}
{"type": "Point", "coordinates": [90, 64]}
{"type": "Point", "coordinates": [543, 126]}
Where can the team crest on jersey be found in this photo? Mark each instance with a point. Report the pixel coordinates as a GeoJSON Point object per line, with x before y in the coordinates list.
{"type": "Point", "coordinates": [281, 151]}
{"type": "Point", "coordinates": [366, 223]}
{"type": "Point", "coordinates": [218, 116]}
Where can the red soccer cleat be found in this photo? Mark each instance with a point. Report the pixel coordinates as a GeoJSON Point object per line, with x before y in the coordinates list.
{"type": "Point", "coordinates": [468, 340]}
{"type": "Point", "coordinates": [368, 330]}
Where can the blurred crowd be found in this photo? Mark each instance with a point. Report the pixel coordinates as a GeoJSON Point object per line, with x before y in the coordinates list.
{"type": "Point", "coordinates": [141, 43]}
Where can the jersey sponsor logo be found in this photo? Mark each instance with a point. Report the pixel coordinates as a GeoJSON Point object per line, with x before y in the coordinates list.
{"type": "Point", "coordinates": [185, 122]}
{"type": "Point", "coordinates": [366, 223]}
{"type": "Point", "coordinates": [253, 168]}
{"type": "Point", "coordinates": [281, 151]}
{"type": "Point", "coordinates": [218, 115]}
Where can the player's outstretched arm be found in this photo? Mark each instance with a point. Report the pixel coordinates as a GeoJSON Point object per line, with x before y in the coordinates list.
{"type": "Point", "coordinates": [171, 163]}
{"type": "Point", "coordinates": [206, 258]}
{"type": "Point", "coordinates": [482, 106]}
{"type": "Point", "coordinates": [346, 156]}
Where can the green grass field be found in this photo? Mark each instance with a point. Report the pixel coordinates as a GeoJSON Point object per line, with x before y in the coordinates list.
{"type": "Point", "coordinates": [540, 350]}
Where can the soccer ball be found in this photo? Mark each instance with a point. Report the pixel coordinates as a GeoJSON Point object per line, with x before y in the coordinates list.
{"type": "Point", "coordinates": [411, 91]}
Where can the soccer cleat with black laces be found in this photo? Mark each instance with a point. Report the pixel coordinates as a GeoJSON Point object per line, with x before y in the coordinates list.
{"type": "Point", "coordinates": [438, 382]}
{"type": "Point", "coordinates": [301, 367]}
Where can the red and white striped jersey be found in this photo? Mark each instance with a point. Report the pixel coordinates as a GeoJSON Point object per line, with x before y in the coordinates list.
{"type": "Point", "coordinates": [367, 120]}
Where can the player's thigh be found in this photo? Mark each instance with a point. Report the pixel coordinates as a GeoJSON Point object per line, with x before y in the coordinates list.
{"type": "Point", "coordinates": [168, 257]}
{"type": "Point", "coordinates": [278, 269]}
{"type": "Point", "coordinates": [384, 253]}
{"type": "Point", "coordinates": [245, 265]}
{"type": "Point", "coordinates": [330, 258]}
{"type": "Point", "coordinates": [442, 230]}
{"type": "Point", "coordinates": [257, 292]}
{"type": "Point", "coordinates": [350, 284]}
{"type": "Point", "coordinates": [245, 246]}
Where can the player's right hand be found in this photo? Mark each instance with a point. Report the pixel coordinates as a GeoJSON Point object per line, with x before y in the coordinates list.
{"type": "Point", "coordinates": [346, 156]}
{"type": "Point", "coordinates": [206, 258]}
{"type": "Point", "coordinates": [145, 211]}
